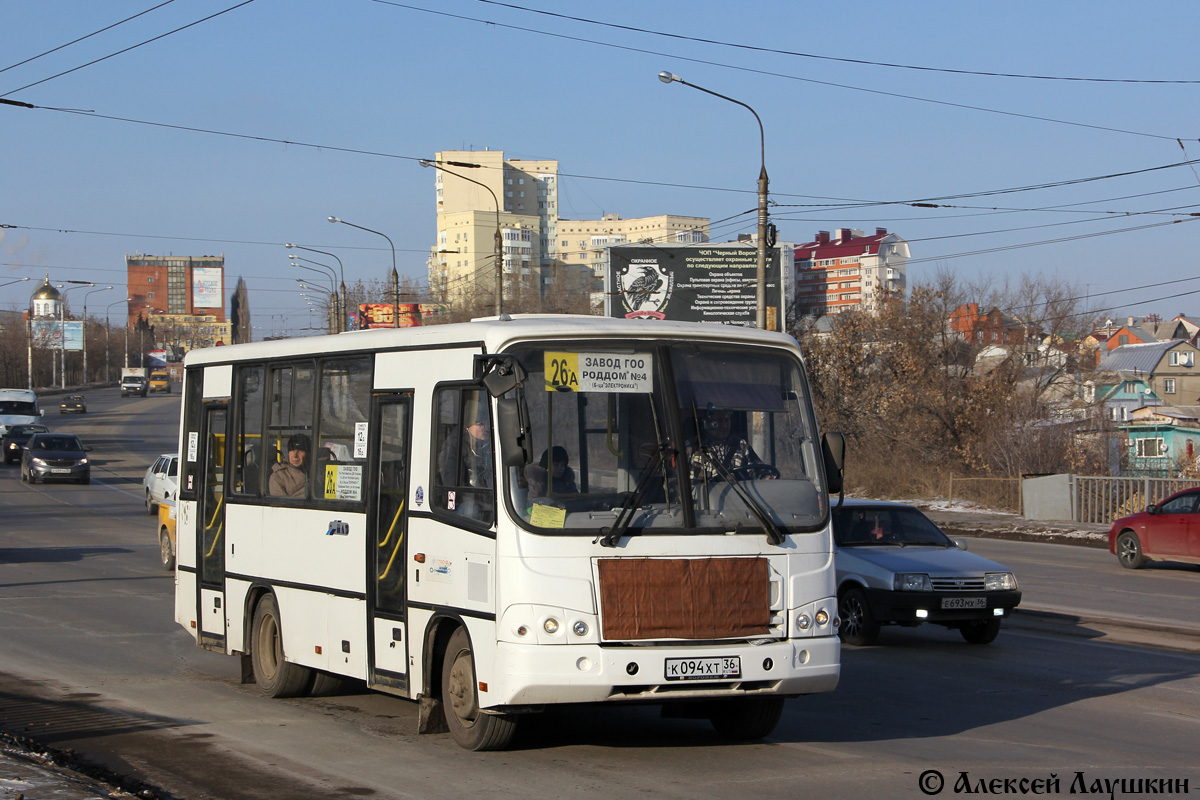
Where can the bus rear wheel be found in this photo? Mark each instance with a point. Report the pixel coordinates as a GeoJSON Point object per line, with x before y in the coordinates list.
{"type": "Point", "coordinates": [275, 676]}
{"type": "Point", "coordinates": [471, 728]}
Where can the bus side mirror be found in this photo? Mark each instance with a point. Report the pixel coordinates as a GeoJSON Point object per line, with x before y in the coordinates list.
{"type": "Point", "coordinates": [833, 450]}
{"type": "Point", "coordinates": [513, 432]}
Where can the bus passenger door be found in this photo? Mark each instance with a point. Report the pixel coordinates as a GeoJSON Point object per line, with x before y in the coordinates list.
{"type": "Point", "coordinates": [211, 527]}
{"type": "Point", "coordinates": [387, 539]}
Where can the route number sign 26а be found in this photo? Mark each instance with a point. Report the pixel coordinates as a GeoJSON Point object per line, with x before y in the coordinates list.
{"type": "Point", "coordinates": [600, 372]}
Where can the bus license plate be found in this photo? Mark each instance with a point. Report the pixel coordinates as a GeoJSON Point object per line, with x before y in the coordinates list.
{"type": "Point", "coordinates": [964, 602]}
{"type": "Point", "coordinates": [704, 669]}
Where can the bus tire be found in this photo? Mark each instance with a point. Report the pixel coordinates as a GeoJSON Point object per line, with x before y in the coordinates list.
{"type": "Point", "coordinates": [747, 718]}
{"type": "Point", "coordinates": [471, 728]}
{"type": "Point", "coordinates": [275, 676]}
{"type": "Point", "coordinates": [326, 684]}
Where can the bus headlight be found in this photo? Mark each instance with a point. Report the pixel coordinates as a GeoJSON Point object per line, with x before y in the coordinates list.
{"type": "Point", "coordinates": [580, 628]}
{"type": "Point", "coordinates": [822, 617]}
{"type": "Point", "coordinates": [550, 625]}
{"type": "Point", "coordinates": [803, 622]}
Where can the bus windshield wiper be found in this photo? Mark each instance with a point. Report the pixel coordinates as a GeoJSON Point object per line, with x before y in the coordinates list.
{"type": "Point", "coordinates": [774, 533]}
{"type": "Point", "coordinates": [608, 537]}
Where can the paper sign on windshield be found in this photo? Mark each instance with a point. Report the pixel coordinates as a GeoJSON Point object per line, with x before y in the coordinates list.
{"type": "Point", "coordinates": [600, 372]}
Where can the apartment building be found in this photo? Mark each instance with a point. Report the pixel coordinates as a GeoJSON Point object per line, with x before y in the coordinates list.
{"type": "Point", "coordinates": [537, 244]}
{"type": "Point", "coordinates": [849, 271]}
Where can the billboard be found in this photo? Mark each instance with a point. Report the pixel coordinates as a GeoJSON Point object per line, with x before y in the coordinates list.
{"type": "Point", "coordinates": [692, 283]}
{"type": "Point", "coordinates": [380, 315]}
{"type": "Point", "coordinates": [47, 333]}
{"type": "Point", "coordinates": [207, 288]}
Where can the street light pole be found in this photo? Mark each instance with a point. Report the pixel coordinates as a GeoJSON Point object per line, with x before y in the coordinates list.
{"type": "Point", "coordinates": [498, 245]}
{"type": "Point", "coordinates": [86, 295]}
{"type": "Point", "coordinates": [344, 321]}
{"type": "Point", "coordinates": [395, 275]}
{"type": "Point", "coordinates": [62, 330]}
{"type": "Point", "coordinates": [341, 326]}
{"type": "Point", "coordinates": [761, 293]}
{"type": "Point", "coordinates": [330, 318]}
{"type": "Point", "coordinates": [107, 337]}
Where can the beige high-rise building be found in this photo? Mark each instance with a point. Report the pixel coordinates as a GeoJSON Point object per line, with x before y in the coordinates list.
{"type": "Point", "coordinates": [518, 197]}
{"type": "Point", "coordinates": [538, 246]}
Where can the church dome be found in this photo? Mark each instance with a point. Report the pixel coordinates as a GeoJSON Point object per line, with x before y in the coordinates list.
{"type": "Point", "coordinates": [47, 292]}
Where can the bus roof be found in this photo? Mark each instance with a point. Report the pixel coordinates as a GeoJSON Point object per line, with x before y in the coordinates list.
{"type": "Point", "coordinates": [493, 333]}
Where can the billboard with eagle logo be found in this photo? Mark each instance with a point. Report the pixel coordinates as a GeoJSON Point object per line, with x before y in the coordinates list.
{"type": "Point", "coordinates": [692, 283]}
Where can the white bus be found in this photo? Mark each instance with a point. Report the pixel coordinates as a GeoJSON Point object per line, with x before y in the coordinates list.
{"type": "Point", "coordinates": [18, 407]}
{"type": "Point", "coordinates": [495, 516]}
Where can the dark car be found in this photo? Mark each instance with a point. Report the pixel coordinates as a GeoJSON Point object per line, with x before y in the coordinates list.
{"type": "Point", "coordinates": [896, 567]}
{"type": "Point", "coordinates": [55, 455]}
{"type": "Point", "coordinates": [16, 438]}
{"type": "Point", "coordinates": [73, 404]}
{"type": "Point", "coordinates": [1166, 531]}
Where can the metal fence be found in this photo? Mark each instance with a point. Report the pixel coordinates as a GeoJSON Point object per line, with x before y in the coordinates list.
{"type": "Point", "coordinates": [1002, 493]}
{"type": "Point", "coordinates": [1101, 500]}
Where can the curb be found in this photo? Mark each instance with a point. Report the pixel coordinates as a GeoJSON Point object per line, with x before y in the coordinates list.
{"type": "Point", "coordinates": [1118, 630]}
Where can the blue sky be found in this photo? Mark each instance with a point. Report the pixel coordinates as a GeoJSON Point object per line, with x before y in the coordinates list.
{"type": "Point", "coordinates": [847, 144]}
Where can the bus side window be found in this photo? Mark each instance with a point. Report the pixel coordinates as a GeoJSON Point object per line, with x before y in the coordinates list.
{"type": "Point", "coordinates": [248, 416]}
{"type": "Point", "coordinates": [463, 478]}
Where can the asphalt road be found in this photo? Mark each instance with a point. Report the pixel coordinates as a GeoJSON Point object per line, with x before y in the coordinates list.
{"type": "Point", "coordinates": [92, 661]}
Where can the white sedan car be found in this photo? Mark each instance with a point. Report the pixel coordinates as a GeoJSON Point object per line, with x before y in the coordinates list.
{"type": "Point", "coordinates": [895, 567]}
{"type": "Point", "coordinates": [161, 481]}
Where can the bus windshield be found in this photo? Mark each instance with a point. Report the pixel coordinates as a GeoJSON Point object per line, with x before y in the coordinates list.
{"type": "Point", "coordinates": [669, 438]}
{"type": "Point", "coordinates": [17, 408]}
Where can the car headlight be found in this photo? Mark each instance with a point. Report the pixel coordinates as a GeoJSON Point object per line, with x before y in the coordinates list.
{"type": "Point", "coordinates": [13, 446]}
{"type": "Point", "coordinates": [999, 581]}
{"type": "Point", "coordinates": [912, 582]}
{"type": "Point", "coordinates": [83, 461]}
{"type": "Point", "coordinates": [38, 461]}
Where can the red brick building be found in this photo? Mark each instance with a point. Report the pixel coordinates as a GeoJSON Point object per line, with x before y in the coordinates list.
{"type": "Point", "coordinates": [175, 285]}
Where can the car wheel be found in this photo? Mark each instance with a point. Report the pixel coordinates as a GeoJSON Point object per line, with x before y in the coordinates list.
{"type": "Point", "coordinates": [275, 676]}
{"type": "Point", "coordinates": [469, 725]}
{"type": "Point", "coordinates": [980, 632]}
{"type": "Point", "coordinates": [747, 718]}
{"type": "Point", "coordinates": [149, 503]}
{"type": "Point", "coordinates": [165, 552]}
{"type": "Point", "coordinates": [859, 626]}
{"type": "Point", "coordinates": [1129, 551]}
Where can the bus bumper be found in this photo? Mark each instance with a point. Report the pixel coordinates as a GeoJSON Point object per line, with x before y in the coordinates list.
{"type": "Point", "coordinates": [527, 675]}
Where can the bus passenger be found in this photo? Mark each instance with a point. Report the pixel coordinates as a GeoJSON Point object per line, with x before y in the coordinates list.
{"type": "Point", "coordinates": [558, 478]}
{"type": "Point", "coordinates": [290, 477]}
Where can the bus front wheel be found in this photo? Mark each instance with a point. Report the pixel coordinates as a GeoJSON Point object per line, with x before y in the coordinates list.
{"type": "Point", "coordinates": [747, 718]}
{"type": "Point", "coordinates": [471, 728]}
{"type": "Point", "coordinates": [275, 676]}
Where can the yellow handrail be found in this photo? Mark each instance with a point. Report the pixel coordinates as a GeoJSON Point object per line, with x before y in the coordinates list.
{"type": "Point", "coordinates": [208, 527]}
{"type": "Point", "coordinates": [399, 541]}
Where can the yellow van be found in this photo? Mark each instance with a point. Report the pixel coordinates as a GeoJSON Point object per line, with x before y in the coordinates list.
{"type": "Point", "coordinates": [160, 381]}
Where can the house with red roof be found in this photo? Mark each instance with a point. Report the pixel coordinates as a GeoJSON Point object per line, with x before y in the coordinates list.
{"type": "Point", "coordinates": [849, 271]}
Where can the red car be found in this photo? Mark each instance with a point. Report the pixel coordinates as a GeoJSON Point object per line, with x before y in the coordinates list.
{"type": "Point", "coordinates": [1167, 531]}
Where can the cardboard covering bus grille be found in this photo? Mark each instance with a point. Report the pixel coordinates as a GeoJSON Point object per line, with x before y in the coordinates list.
{"type": "Point", "coordinates": [672, 598]}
